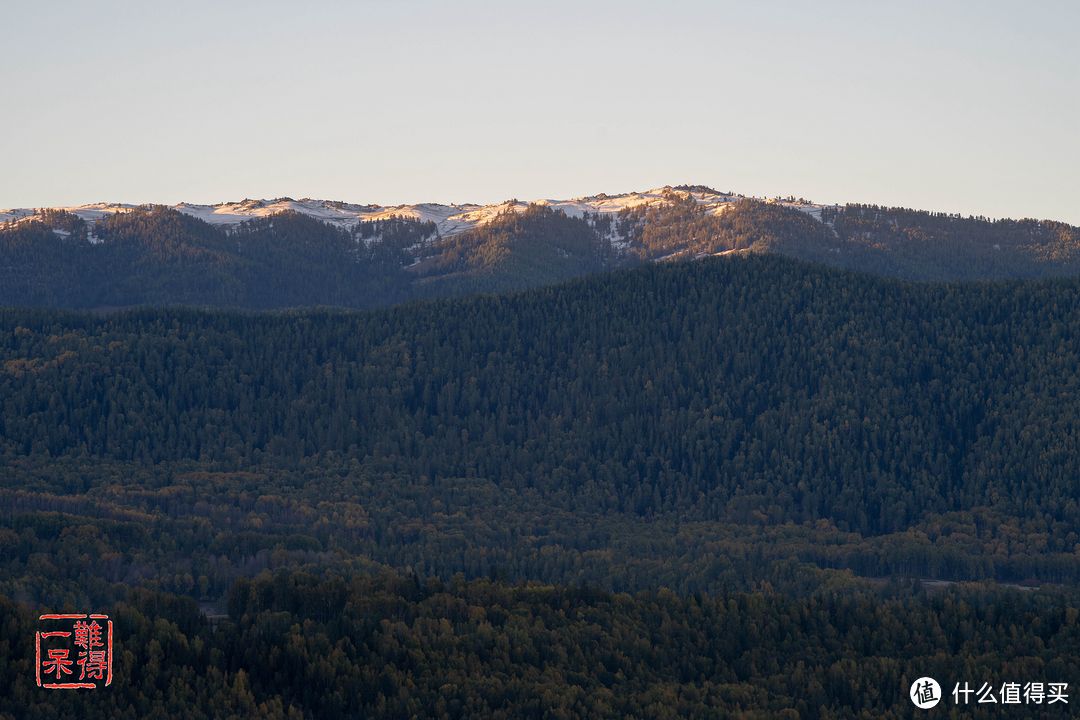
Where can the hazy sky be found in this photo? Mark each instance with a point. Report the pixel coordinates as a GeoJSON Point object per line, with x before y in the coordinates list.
{"type": "Point", "coordinates": [951, 106]}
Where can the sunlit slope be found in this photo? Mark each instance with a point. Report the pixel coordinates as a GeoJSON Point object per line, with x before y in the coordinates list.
{"type": "Point", "coordinates": [447, 219]}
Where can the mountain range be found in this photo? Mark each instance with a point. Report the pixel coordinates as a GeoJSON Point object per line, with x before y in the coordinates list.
{"type": "Point", "coordinates": [449, 219]}
{"type": "Point", "coordinates": [264, 254]}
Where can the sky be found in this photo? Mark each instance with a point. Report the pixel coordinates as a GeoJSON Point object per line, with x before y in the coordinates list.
{"type": "Point", "coordinates": [964, 107]}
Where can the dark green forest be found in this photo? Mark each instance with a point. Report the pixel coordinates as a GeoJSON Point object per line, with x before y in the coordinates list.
{"type": "Point", "coordinates": [748, 410]}
{"type": "Point", "coordinates": [382, 645]}
{"type": "Point", "coordinates": [693, 489]}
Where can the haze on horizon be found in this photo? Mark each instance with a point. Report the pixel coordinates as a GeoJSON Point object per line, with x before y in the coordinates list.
{"type": "Point", "coordinates": [968, 108]}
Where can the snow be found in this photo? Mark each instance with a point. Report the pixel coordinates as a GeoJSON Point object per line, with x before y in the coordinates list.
{"type": "Point", "coordinates": [449, 219]}
{"type": "Point", "coordinates": [89, 213]}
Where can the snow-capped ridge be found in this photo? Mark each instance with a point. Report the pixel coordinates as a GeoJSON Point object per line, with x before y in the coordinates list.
{"type": "Point", "coordinates": [449, 219]}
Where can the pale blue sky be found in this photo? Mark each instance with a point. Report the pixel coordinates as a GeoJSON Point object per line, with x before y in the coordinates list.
{"type": "Point", "coordinates": [959, 107]}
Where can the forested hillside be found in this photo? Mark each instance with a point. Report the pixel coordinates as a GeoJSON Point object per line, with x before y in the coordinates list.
{"type": "Point", "coordinates": [934, 246]}
{"type": "Point", "coordinates": [738, 421]}
{"type": "Point", "coordinates": [160, 256]}
{"type": "Point", "coordinates": [157, 256]}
